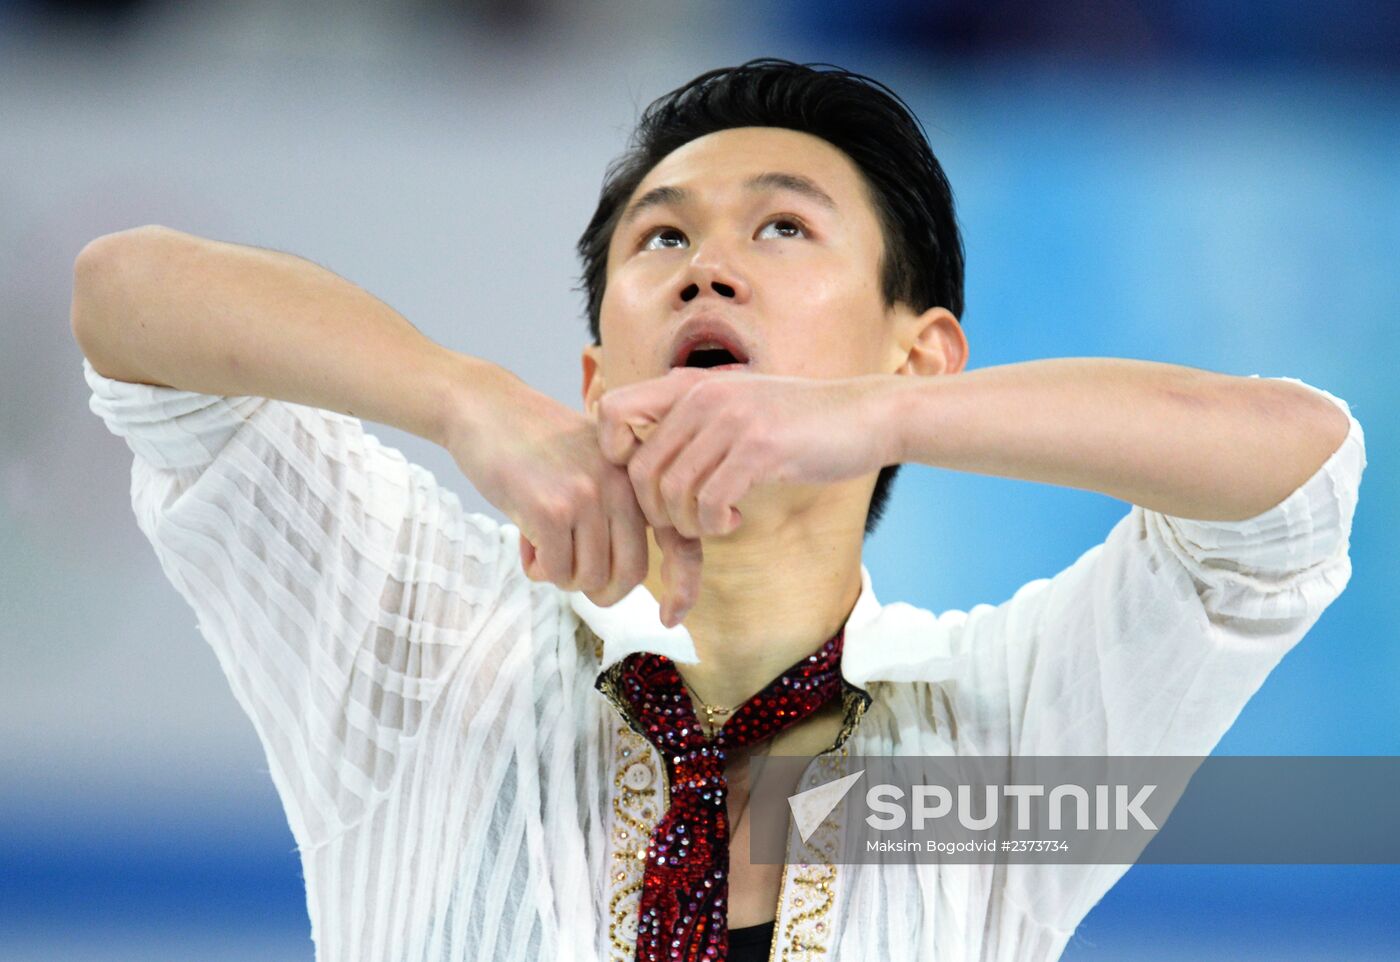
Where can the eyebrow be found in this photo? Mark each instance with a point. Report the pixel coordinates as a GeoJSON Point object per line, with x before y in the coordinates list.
{"type": "Point", "coordinates": [667, 196]}
{"type": "Point", "coordinates": [794, 183]}
{"type": "Point", "coordinates": [656, 197]}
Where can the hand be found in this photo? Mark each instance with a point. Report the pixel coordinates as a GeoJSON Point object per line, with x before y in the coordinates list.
{"type": "Point", "coordinates": [695, 442]}
{"type": "Point", "coordinates": [538, 462]}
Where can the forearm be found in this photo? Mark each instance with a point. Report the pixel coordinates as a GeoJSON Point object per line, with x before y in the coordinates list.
{"type": "Point", "coordinates": [1182, 441]}
{"type": "Point", "coordinates": [162, 307]}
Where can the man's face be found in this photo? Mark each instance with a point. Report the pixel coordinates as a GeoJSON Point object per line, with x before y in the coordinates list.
{"type": "Point", "coordinates": [759, 239]}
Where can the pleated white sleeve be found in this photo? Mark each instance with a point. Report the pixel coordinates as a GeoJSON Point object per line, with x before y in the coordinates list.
{"type": "Point", "coordinates": [337, 583]}
{"type": "Point", "coordinates": [1150, 644]}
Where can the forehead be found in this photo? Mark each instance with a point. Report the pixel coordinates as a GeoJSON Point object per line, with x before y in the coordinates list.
{"type": "Point", "coordinates": [728, 158]}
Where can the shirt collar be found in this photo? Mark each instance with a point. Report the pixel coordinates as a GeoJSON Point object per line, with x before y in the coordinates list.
{"type": "Point", "coordinates": [883, 642]}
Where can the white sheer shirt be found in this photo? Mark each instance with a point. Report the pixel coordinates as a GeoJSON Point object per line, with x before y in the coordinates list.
{"type": "Point", "coordinates": [460, 788]}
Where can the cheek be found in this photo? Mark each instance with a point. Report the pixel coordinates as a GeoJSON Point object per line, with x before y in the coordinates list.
{"type": "Point", "coordinates": [832, 319]}
{"type": "Point", "coordinates": [622, 322]}
{"type": "Point", "coordinates": [632, 289]}
{"type": "Point", "coordinates": [836, 276]}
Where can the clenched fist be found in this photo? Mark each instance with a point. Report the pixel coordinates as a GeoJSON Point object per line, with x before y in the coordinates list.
{"type": "Point", "coordinates": [581, 527]}
{"type": "Point", "coordinates": [695, 442]}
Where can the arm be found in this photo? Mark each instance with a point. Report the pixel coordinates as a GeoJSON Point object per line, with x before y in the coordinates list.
{"type": "Point", "coordinates": [337, 584]}
{"type": "Point", "coordinates": [1178, 441]}
{"type": "Point", "coordinates": [342, 589]}
{"type": "Point", "coordinates": [1152, 642]}
{"type": "Point", "coordinates": [157, 306]}
{"type": "Point", "coordinates": [1181, 441]}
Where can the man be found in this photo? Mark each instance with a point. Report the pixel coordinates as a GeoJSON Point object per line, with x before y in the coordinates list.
{"type": "Point", "coordinates": [501, 741]}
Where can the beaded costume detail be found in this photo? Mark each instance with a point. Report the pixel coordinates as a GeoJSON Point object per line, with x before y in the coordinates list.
{"type": "Point", "coordinates": [683, 901]}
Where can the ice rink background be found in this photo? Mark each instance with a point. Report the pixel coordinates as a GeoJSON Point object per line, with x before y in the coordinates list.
{"type": "Point", "coordinates": [1223, 194]}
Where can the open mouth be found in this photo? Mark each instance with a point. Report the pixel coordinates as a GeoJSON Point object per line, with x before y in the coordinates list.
{"type": "Point", "coordinates": [709, 344]}
{"type": "Point", "coordinates": [710, 350]}
{"type": "Point", "coordinates": [710, 357]}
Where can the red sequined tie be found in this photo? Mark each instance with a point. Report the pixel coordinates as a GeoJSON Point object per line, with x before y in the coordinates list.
{"type": "Point", "coordinates": [685, 886]}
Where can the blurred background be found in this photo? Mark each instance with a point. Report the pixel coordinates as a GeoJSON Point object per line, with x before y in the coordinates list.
{"type": "Point", "coordinates": [1201, 182]}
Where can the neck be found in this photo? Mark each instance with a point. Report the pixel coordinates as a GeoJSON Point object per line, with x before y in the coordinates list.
{"type": "Point", "coordinates": [769, 596]}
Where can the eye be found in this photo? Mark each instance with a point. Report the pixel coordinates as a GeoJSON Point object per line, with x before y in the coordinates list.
{"type": "Point", "coordinates": [782, 227]}
{"type": "Point", "coordinates": [664, 238]}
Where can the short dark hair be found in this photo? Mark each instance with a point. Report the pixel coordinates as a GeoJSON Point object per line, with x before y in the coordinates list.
{"type": "Point", "coordinates": [922, 261]}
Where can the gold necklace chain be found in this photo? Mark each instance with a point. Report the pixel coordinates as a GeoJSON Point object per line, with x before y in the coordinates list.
{"type": "Point", "coordinates": [710, 710]}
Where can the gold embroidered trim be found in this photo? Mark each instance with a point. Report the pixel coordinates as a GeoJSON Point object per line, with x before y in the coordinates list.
{"type": "Point", "coordinates": [635, 814]}
{"type": "Point", "coordinates": [805, 907]}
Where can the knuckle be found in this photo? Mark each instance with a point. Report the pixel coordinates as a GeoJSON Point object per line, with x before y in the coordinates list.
{"type": "Point", "coordinates": [634, 572]}
{"type": "Point", "coordinates": [622, 585]}
{"type": "Point", "coordinates": [608, 408]}
{"type": "Point", "coordinates": [733, 416]}
{"type": "Point", "coordinates": [709, 507]}
{"type": "Point", "coordinates": [556, 510]}
{"type": "Point", "coordinates": [583, 490]}
{"type": "Point", "coordinates": [552, 558]}
{"type": "Point", "coordinates": [759, 442]}
{"type": "Point", "coordinates": [625, 514]}
{"type": "Point", "coordinates": [673, 486]}
{"type": "Point", "coordinates": [617, 490]}
{"type": "Point", "coordinates": [706, 393]}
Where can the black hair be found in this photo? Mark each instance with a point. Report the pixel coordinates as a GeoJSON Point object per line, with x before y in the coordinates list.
{"type": "Point", "coordinates": [921, 265]}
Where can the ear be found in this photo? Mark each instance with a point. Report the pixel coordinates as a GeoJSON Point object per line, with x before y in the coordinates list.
{"type": "Point", "coordinates": [930, 343]}
{"type": "Point", "coordinates": [593, 386]}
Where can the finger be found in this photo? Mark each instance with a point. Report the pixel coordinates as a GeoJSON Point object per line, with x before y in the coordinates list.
{"type": "Point", "coordinates": [625, 414]}
{"type": "Point", "coordinates": [721, 492]}
{"type": "Point", "coordinates": [686, 474]}
{"type": "Point", "coordinates": [630, 549]}
{"type": "Point", "coordinates": [629, 552]}
{"type": "Point", "coordinates": [680, 574]}
{"type": "Point", "coordinates": [591, 561]}
{"type": "Point", "coordinates": [617, 439]}
{"type": "Point", "coordinates": [650, 463]}
{"type": "Point", "coordinates": [555, 553]}
{"type": "Point", "coordinates": [528, 560]}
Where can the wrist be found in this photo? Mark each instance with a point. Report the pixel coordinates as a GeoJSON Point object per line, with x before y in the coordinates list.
{"type": "Point", "coordinates": [892, 410]}
{"type": "Point", "coordinates": [470, 400]}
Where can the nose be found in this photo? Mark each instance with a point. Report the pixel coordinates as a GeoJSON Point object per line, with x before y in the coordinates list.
{"type": "Point", "coordinates": [691, 291]}
{"type": "Point", "coordinates": [712, 273]}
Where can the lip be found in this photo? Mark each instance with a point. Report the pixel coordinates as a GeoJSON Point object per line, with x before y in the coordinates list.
{"type": "Point", "coordinates": [697, 330]}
